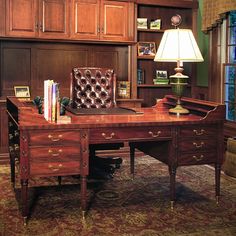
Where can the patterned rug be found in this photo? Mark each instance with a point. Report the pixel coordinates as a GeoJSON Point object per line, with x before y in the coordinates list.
{"type": "Point", "coordinates": [122, 206]}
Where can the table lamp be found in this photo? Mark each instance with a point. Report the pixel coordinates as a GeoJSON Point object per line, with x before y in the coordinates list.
{"type": "Point", "coordinates": [178, 45]}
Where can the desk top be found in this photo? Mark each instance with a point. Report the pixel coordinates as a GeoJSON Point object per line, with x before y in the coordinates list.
{"type": "Point", "coordinates": [27, 117]}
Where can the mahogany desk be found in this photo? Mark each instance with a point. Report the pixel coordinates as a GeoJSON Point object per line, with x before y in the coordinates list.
{"type": "Point", "coordinates": [46, 149]}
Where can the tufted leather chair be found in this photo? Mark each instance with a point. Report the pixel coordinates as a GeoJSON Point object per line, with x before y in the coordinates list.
{"type": "Point", "coordinates": [95, 88]}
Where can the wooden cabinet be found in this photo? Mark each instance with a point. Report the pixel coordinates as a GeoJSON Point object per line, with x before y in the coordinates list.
{"type": "Point", "coordinates": [102, 20]}
{"type": "Point", "coordinates": [85, 19]}
{"type": "Point", "coordinates": [43, 18]}
{"type": "Point", "coordinates": [146, 89]}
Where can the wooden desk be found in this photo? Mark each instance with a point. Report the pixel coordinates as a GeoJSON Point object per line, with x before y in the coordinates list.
{"type": "Point", "coordinates": [47, 149]}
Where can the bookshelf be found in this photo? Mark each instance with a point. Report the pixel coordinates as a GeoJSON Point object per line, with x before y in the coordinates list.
{"type": "Point", "coordinates": [148, 91]}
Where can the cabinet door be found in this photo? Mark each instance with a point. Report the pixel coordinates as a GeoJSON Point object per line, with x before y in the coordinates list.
{"type": "Point", "coordinates": [114, 20]}
{"type": "Point", "coordinates": [54, 19]}
{"type": "Point", "coordinates": [85, 19]}
{"type": "Point", "coordinates": [21, 18]}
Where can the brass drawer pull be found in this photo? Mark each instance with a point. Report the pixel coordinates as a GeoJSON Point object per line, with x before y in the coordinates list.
{"type": "Point", "coordinates": [201, 132]}
{"type": "Point", "coordinates": [199, 158]}
{"type": "Point", "coordinates": [56, 153]}
{"type": "Point", "coordinates": [55, 168]}
{"type": "Point", "coordinates": [55, 138]}
{"type": "Point", "coordinates": [198, 145]}
{"type": "Point", "coordinates": [108, 137]}
{"type": "Point", "coordinates": [155, 135]}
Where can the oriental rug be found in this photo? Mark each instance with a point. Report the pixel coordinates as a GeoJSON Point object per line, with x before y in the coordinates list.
{"type": "Point", "coordinates": [123, 206]}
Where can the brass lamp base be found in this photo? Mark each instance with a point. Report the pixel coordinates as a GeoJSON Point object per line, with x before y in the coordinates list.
{"type": "Point", "coordinates": [178, 84]}
{"type": "Point", "coordinates": [179, 110]}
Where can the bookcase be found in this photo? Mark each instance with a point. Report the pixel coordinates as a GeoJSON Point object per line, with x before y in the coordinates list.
{"type": "Point", "coordinates": [145, 67]}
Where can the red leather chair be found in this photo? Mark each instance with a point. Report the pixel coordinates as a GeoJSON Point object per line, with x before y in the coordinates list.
{"type": "Point", "coordinates": [95, 88]}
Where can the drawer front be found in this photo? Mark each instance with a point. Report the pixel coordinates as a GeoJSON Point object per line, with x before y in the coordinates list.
{"type": "Point", "coordinates": [116, 134]}
{"type": "Point", "coordinates": [54, 154]}
{"type": "Point", "coordinates": [198, 131]}
{"type": "Point", "coordinates": [197, 158]}
{"type": "Point", "coordinates": [54, 168]}
{"type": "Point", "coordinates": [197, 144]}
{"type": "Point", "coordinates": [54, 138]}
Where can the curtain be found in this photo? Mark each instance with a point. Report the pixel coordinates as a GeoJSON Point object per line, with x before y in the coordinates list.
{"type": "Point", "coordinates": [214, 11]}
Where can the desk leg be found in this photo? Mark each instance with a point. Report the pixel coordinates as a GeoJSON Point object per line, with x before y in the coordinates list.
{"type": "Point", "coordinates": [12, 164]}
{"type": "Point", "coordinates": [172, 173]}
{"type": "Point", "coordinates": [83, 195]}
{"type": "Point", "coordinates": [217, 181]}
{"type": "Point", "coordinates": [132, 153]}
{"type": "Point", "coordinates": [24, 199]}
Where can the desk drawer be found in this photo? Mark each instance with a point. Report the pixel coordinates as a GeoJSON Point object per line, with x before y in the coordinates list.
{"type": "Point", "coordinates": [198, 131]}
{"type": "Point", "coordinates": [131, 133]}
{"type": "Point", "coordinates": [54, 168]}
{"type": "Point", "coordinates": [54, 138]}
{"type": "Point", "coordinates": [197, 144]}
{"type": "Point", "coordinates": [197, 158]}
{"type": "Point", "coordinates": [54, 154]}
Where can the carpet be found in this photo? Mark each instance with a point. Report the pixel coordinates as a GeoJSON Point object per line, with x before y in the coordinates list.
{"type": "Point", "coordinates": [122, 206]}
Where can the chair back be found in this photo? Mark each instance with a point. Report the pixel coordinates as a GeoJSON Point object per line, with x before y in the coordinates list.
{"type": "Point", "coordinates": [92, 88]}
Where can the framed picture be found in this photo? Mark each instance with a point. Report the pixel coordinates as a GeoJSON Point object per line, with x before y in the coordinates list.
{"type": "Point", "coordinates": [161, 74]}
{"type": "Point", "coordinates": [155, 24]}
{"type": "Point", "coordinates": [142, 23]}
{"type": "Point", "coordinates": [123, 89]}
{"type": "Point", "coordinates": [161, 77]}
{"type": "Point", "coordinates": [22, 92]}
{"type": "Point", "coordinates": [147, 49]}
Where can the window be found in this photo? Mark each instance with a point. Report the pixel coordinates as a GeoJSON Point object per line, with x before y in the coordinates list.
{"type": "Point", "coordinates": [229, 71]}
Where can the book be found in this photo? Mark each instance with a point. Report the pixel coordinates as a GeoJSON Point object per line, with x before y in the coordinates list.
{"type": "Point", "coordinates": [140, 76]}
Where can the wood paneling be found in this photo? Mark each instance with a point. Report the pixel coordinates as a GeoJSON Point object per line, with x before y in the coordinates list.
{"type": "Point", "coordinates": [15, 68]}
{"type": "Point", "coordinates": [30, 63]}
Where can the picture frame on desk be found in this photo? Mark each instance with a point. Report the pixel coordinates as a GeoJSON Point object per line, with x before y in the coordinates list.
{"type": "Point", "coordinates": [146, 49]}
{"type": "Point", "coordinates": [22, 92]}
{"type": "Point", "coordinates": [123, 89]}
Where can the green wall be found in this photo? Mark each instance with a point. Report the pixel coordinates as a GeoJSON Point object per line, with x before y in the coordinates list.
{"type": "Point", "coordinates": [203, 43]}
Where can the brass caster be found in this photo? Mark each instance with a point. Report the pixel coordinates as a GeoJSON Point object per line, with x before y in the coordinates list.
{"type": "Point", "coordinates": [217, 200]}
{"type": "Point", "coordinates": [83, 215]}
{"type": "Point", "coordinates": [25, 221]}
{"type": "Point", "coordinates": [172, 205]}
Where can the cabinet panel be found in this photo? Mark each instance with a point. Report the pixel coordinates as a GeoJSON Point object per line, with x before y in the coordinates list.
{"type": "Point", "coordinates": [54, 18]}
{"type": "Point", "coordinates": [21, 18]}
{"type": "Point", "coordinates": [85, 19]}
{"type": "Point", "coordinates": [114, 20]}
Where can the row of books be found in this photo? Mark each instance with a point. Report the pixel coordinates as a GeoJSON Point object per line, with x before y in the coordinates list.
{"type": "Point", "coordinates": [51, 101]}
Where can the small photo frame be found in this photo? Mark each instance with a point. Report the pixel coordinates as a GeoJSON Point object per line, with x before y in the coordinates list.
{"type": "Point", "coordinates": [123, 89]}
{"type": "Point", "coordinates": [22, 92]}
{"type": "Point", "coordinates": [161, 74]}
{"type": "Point", "coordinates": [146, 49]}
{"type": "Point", "coordinates": [142, 23]}
{"type": "Point", "coordinates": [161, 77]}
{"type": "Point", "coordinates": [155, 24]}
